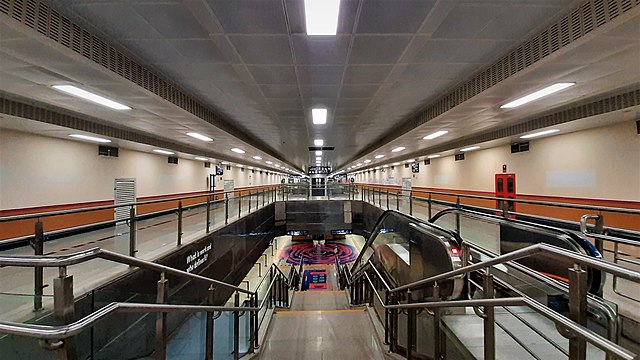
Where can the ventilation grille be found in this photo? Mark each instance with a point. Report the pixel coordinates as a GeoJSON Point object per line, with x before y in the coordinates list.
{"type": "Point", "coordinates": [107, 151]}
{"type": "Point", "coordinates": [578, 23]}
{"type": "Point", "coordinates": [519, 147]}
{"type": "Point", "coordinates": [172, 160]}
{"type": "Point", "coordinates": [124, 193]}
{"type": "Point", "coordinates": [459, 157]}
{"type": "Point", "coordinates": [53, 25]}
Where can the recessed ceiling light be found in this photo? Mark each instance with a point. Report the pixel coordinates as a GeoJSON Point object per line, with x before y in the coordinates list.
{"type": "Point", "coordinates": [377, 167]}
{"type": "Point", "coordinates": [537, 95]}
{"type": "Point", "coordinates": [367, 161]}
{"type": "Point", "coordinates": [318, 142]}
{"type": "Point", "coordinates": [239, 165]}
{"type": "Point", "coordinates": [410, 160]}
{"type": "Point", "coordinates": [90, 138]}
{"type": "Point", "coordinates": [277, 165]}
{"type": "Point", "coordinates": [318, 158]}
{"type": "Point", "coordinates": [239, 151]}
{"type": "Point", "coordinates": [400, 148]}
{"type": "Point", "coordinates": [199, 136]}
{"type": "Point", "coordinates": [318, 152]}
{"type": "Point", "coordinates": [257, 157]}
{"type": "Point", "coordinates": [470, 148]}
{"type": "Point", "coordinates": [321, 16]}
{"type": "Point", "coordinates": [163, 152]}
{"type": "Point", "coordinates": [385, 166]}
{"type": "Point", "coordinates": [541, 133]}
{"type": "Point", "coordinates": [269, 162]}
{"type": "Point", "coordinates": [396, 163]}
{"type": "Point", "coordinates": [379, 156]}
{"type": "Point", "coordinates": [201, 158]}
{"type": "Point", "coordinates": [250, 167]}
{"type": "Point", "coordinates": [76, 91]}
{"type": "Point", "coordinates": [319, 116]}
{"type": "Point", "coordinates": [359, 164]}
{"type": "Point", "coordinates": [435, 135]}
{"type": "Point", "coordinates": [433, 156]}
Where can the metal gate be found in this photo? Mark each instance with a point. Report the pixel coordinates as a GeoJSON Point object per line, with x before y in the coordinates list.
{"type": "Point", "coordinates": [124, 192]}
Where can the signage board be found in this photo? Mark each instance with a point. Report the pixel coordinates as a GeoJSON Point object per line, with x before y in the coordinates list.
{"type": "Point", "coordinates": [323, 170]}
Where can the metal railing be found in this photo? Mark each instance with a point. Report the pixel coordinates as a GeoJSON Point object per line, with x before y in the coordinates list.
{"type": "Point", "coordinates": [277, 294]}
{"type": "Point", "coordinates": [363, 288]}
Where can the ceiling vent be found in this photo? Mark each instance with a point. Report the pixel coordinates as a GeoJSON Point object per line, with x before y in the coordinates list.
{"type": "Point", "coordinates": [323, 148]}
{"type": "Point", "coordinates": [173, 160]}
{"type": "Point", "coordinates": [107, 151]}
{"type": "Point", "coordinates": [519, 147]}
{"type": "Point", "coordinates": [459, 157]}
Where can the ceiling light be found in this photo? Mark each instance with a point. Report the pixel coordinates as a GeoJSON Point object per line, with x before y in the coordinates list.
{"type": "Point", "coordinates": [321, 16]}
{"type": "Point", "coordinates": [537, 95]}
{"type": "Point", "coordinates": [277, 165]}
{"type": "Point", "coordinates": [318, 142]}
{"type": "Point", "coordinates": [359, 164]}
{"type": "Point", "coordinates": [257, 157]}
{"type": "Point", "coordinates": [239, 151]}
{"type": "Point", "coordinates": [238, 165]}
{"type": "Point", "coordinates": [433, 156]}
{"type": "Point", "coordinates": [385, 166]}
{"type": "Point", "coordinates": [319, 116]}
{"type": "Point", "coordinates": [201, 158]}
{"type": "Point", "coordinates": [318, 158]}
{"type": "Point", "coordinates": [470, 148]}
{"type": "Point", "coordinates": [396, 163]}
{"type": "Point", "coordinates": [398, 149]}
{"type": "Point", "coordinates": [410, 160]}
{"type": "Point", "coordinates": [435, 135]}
{"type": "Point", "coordinates": [199, 136]}
{"type": "Point", "coordinates": [541, 133]}
{"type": "Point", "coordinates": [379, 156]}
{"type": "Point", "coordinates": [367, 161]}
{"type": "Point", "coordinates": [75, 91]}
{"type": "Point", "coordinates": [163, 152]}
{"type": "Point", "coordinates": [377, 167]}
{"type": "Point", "coordinates": [269, 162]}
{"type": "Point", "coordinates": [318, 152]}
{"type": "Point", "coordinates": [225, 163]}
{"type": "Point", "coordinates": [250, 167]}
{"type": "Point", "coordinates": [90, 138]}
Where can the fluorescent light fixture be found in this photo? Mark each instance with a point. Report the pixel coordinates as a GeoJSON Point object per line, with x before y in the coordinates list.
{"type": "Point", "coordinates": [400, 148]}
{"type": "Point", "coordinates": [359, 164]}
{"type": "Point", "coordinates": [541, 133]}
{"type": "Point", "coordinates": [201, 158]}
{"type": "Point", "coordinates": [257, 157]}
{"type": "Point", "coordinates": [367, 161]}
{"type": "Point", "coordinates": [318, 153]}
{"type": "Point", "coordinates": [225, 163]}
{"type": "Point", "coordinates": [318, 142]}
{"type": "Point", "coordinates": [269, 162]}
{"type": "Point", "coordinates": [199, 136]}
{"type": "Point", "coordinates": [321, 16]}
{"type": "Point", "coordinates": [433, 156]}
{"type": "Point", "coordinates": [349, 168]}
{"type": "Point", "coordinates": [385, 166]}
{"type": "Point", "coordinates": [410, 161]}
{"type": "Point", "coordinates": [470, 148]}
{"type": "Point", "coordinates": [396, 163]}
{"type": "Point", "coordinates": [318, 158]}
{"type": "Point", "coordinates": [76, 91]}
{"type": "Point", "coordinates": [163, 152]}
{"type": "Point", "coordinates": [239, 165]}
{"type": "Point", "coordinates": [379, 156]}
{"type": "Point", "coordinates": [250, 168]}
{"type": "Point", "coordinates": [239, 151]}
{"type": "Point", "coordinates": [435, 135]}
{"type": "Point", "coordinates": [319, 116]}
{"type": "Point", "coordinates": [377, 167]}
{"type": "Point", "coordinates": [277, 165]}
{"type": "Point", "coordinates": [537, 95]}
{"type": "Point", "coordinates": [90, 138]}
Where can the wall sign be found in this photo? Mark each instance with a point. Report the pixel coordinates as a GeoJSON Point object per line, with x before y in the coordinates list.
{"type": "Point", "coordinates": [314, 170]}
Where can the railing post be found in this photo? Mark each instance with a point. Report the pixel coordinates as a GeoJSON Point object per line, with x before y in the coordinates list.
{"type": "Point", "coordinates": [410, 319]}
{"type": "Point", "coordinates": [64, 308]}
{"type": "Point", "coordinates": [386, 318]}
{"type": "Point", "coordinates": [264, 197]}
{"type": "Point", "coordinates": [226, 209]}
{"type": "Point", "coordinates": [249, 202]}
{"type": "Point", "coordinates": [38, 274]}
{"type": "Point", "coordinates": [387, 199]}
{"type": "Point", "coordinates": [240, 204]}
{"type": "Point", "coordinates": [393, 334]}
{"type": "Point", "coordinates": [252, 323]}
{"type": "Point", "coordinates": [577, 309]}
{"type": "Point", "coordinates": [458, 215]}
{"type": "Point", "coordinates": [397, 201]}
{"type": "Point", "coordinates": [256, 303]}
{"type": "Point", "coordinates": [270, 294]}
{"type": "Point", "coordinates": [179, 223]}
{"type": "Point", "coordinates": [437, 341]}
{"type": "Point", "coordinates": [411, 202]}
{"type": "Point", "coordinates": [236, 328]}
{"type": "Point", "coordinates": [379, 198]}
{"type": "Point", "coordinates": [161, 319]}
{"type": "Point", "coordinates": [429, 205]}
{"type": "Point", "coordinates": [210, 324]}
{"type": "Point", "coordinates": [132, 231]}
{"type": "Point", "coordinates": [208, 214]}
{"type": "Point", "coordinates": [489, 319]}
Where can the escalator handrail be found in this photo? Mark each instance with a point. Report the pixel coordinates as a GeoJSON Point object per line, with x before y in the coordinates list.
{"type": "Point", "coordinates": [99, 253]}
{"type": "Point", "coordinates": [627, 274]}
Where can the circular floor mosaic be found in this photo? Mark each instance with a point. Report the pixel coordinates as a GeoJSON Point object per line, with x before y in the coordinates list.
{"type": "Point", "coordinates": [319, 254]}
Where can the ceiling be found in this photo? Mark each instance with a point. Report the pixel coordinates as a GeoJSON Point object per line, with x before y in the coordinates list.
{"type": "Point", "coordinates": [252, 62]}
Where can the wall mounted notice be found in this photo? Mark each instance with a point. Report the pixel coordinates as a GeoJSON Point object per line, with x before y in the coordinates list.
{"type": "Point", "coordinates": [198, 257]}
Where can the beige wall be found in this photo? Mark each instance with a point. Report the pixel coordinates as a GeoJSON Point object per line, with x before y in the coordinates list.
{"type": "Point", "coordinates": [600, 163]}
{"type": "Point", "coordinates": [37, 171]}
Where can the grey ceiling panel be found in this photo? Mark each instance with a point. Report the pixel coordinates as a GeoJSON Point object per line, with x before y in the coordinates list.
{"type": "Point", "coordinates": [320, 91]}
{"type": "Point", "coordinates": [172, 21]}
{"type": "Point", "coordinates": [358, 91]}
{"type": "Point", "coordinates": [377, 49]}
{"type": "Point", "coordinates": [366, 74]}
{"type": "Point", "coordinates": [426, 50]}
{"type": "Point", "coordinates": [273, 74]}
{"type": "Point", "coordinates": [310, 50]}
{"type": "Point", "coordinates": [264, 49]}
{"type": "Point", "coordinates": [323, 75]}
{"type": "Point", "coordinates": [393, 16]}
{"type": "Point", "coordinates": [210, 72]}
{"type": "Point", "coordinates": [466, 21]}
{"type": "Point", "coordinates": [280, 91]}
{"type": "Point", "coordinates": [515, 21]}
{"type": "Point", "coordinates": [158, 49]}
{"type": "Point", "coordinates": [250, 16]}
{"type": "Point", "coordinates": [131, 24]}
{"type": "Point", "coordinates": [199, 50]}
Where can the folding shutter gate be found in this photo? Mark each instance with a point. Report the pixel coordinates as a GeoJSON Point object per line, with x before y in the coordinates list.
{"type": "Point", "coordinates": [125, 192]}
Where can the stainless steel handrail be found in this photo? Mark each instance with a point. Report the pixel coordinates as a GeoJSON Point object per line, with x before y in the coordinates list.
{"type": "Point", "coordinates": [106, 207]}
{"type": "Point", "coordinates": [525, 252]}
{"type": "Point", "coordinates": [532, 202]}
{"type": "Point", "coordinates": [98, 253]}
{"type": "Point", "coordinates": [76, 327]}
